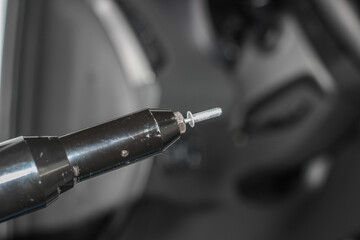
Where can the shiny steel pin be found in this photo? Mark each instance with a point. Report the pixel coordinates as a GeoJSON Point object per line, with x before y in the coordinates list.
{"type": "Point", "coordinates": [202, 116]}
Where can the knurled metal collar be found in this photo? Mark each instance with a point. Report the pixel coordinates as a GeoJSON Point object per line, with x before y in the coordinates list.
{"type": "Point", "coordinates": [180, 120]}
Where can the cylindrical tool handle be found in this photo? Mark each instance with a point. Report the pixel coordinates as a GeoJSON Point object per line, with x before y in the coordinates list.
{"type": "Point", "coordinates": [33, 172]}
{"type": "Point", "coordinates": [120, 142]}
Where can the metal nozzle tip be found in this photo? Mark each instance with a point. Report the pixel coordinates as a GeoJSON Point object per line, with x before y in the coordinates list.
{"type": "Point", "coordinates": [202, 116]}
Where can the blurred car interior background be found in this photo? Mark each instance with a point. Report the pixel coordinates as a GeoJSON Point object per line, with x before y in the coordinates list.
{"type": "Point", "coordinates": [281, 163]}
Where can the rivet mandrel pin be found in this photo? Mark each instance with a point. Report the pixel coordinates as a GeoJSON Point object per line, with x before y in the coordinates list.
{"type": "Point", "coordinates": [191, 119]}
{"type": "Point", "coordinates": [202, 116]}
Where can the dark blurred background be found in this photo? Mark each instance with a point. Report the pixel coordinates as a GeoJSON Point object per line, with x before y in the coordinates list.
{"type": "Point", "coordinates": [281, 163]}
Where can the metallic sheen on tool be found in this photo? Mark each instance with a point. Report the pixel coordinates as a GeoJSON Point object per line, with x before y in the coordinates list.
{"type": "Point", "coordinates": [34, 171]}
